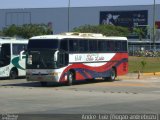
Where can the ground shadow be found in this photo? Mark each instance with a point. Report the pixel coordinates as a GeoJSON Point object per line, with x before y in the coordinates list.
{"type": "Point", "coordinates": [53, 84]}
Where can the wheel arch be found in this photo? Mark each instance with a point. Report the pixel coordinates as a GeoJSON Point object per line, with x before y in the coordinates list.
{"type": "Point", "coordinates": [115, 69]}
{"type": "Point", "coordinates": [16, 70]}
{"type": "Point", "coordinates": [73, 71]}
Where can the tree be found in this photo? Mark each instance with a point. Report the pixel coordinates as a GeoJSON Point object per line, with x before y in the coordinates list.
{"type": "Point", "coordinates": [1, 33]}
{"type": "Point", "coordinates": [11, 31]}
{"type": "Point", "coordinates": [140, 32]}
{"type": "Point", "coordinates": [26, 30]}
{"type": "Point", "coordinates": [108, 30]}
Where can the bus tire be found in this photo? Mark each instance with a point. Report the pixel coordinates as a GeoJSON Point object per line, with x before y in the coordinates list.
{"type": "Point", "coordinates": [112, 76]}
{"type": "Point", "coordinates": [13, 73]}
{"type": "Point", "coordinates": [43, 84]}
{"type": "Point", "coordinates": [70, 78]}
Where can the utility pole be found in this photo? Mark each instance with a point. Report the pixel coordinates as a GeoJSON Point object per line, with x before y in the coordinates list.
{"type": "Point", "coordinates": [68, 15]}
{"type": "Point", "coordinates": [154, 15]}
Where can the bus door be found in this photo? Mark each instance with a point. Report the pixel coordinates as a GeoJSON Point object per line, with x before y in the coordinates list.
{"type": "Point", "coordinates": [63, 59]}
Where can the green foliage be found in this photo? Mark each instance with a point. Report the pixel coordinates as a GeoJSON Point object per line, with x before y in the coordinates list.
{"type": "Point", "coordinates": [143, 64]}
{"type": "Point", "coordinates": [108, 30]}
{"type": "Point", "coordinates": [26, 30]}
{"type": "Point", "coordinates": [1, 33]}
{"type": "Point", "coordinates": [139, 31]}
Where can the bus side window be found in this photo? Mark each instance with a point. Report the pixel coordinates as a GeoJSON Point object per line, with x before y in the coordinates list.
{"type": "Point", "coordinates": [6, 51]}
{"type": "Point", "coordinates": [64, 45]}
{"type": "Point", "coordinates": [124, 46]}
{"type": "Point", "coordinates": [111, 46]}
{"type": "Point", "coordinates": [6, 54]}
{"type": "Point", "coordinates": [102, 46]}
{"type": "Point", "coordinates": [83, 45]}
{"type": "Point", "coordinates": [118, 46]}
{"type": "Point", "coordinates": [73, 45]}
{"type": "Point", "coordinates": [93, 45]}
{"type": "Point", "coordinates": [17, 48]}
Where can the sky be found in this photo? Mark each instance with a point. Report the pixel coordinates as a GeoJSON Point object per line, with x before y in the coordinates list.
{"type": "Point", "coordinates": [9, 4]}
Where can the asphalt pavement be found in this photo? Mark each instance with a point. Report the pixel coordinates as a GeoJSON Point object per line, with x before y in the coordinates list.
{"type": "Point", "coordinates": [126, 95]}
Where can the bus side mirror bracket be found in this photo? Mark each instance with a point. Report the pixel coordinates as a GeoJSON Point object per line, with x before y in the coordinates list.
{"type": "Point", "coordinates": [56, 56]}
{"type": "Point", "coordinates": [21, 55]}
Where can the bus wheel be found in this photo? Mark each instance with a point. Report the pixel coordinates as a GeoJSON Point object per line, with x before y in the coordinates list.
{"type": "Point", "coordinates": [112, 76]}
{"type": "Point", "coordinates": [43, 84]}
{"type": "Point", "coordinates": [70, 78]}
{"type": "Point", "coordinates": [13, 74]}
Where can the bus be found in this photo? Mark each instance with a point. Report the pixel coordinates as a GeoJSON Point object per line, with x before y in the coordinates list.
{"type": "Point", "coordinates": [12, 57]}
{"type": "Point", "coordinates": [69, 57]}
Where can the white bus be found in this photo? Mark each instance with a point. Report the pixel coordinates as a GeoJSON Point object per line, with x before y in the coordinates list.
{"type": "Point", "coordinates": [12, 57]}
{"type": "Point", "coordinates": [75, 56]}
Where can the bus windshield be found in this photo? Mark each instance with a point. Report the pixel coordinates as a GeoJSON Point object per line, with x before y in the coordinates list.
{"type": "Point", "coordinates": [41, 53]}
{"type": "Point", "coordinates": [41, 59]}
{"type": "Point", "coordinates": [45, 43]}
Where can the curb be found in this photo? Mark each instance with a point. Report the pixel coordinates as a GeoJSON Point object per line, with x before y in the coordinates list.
{"type": "Point", "coordinates": [154, 73]}
{"type": "Point", "coordinates": [139, 76]}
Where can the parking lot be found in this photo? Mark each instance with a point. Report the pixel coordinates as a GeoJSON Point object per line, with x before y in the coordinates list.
{"type": "Point", "coordinates": [125, 95]}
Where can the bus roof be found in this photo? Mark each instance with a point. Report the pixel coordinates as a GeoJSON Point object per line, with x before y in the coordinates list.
{"type": "Point", "coordinates": [12, 40]}
{"type": "Point", "coordinates": [79, 35]}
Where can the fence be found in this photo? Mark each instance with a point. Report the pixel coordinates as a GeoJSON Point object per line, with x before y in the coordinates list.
{"type": "Point", "coordinates": [144, 50]}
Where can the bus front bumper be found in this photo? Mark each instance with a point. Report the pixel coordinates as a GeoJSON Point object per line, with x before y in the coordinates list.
{"type": "Point", "coordinates": [42, 77]}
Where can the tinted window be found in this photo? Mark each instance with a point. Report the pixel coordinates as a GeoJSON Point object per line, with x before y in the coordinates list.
{"type": "Point", "coordinates": [45, 43]}
{"type": "Point", "coordinates": [5, 55]}
{"type": "Point", "coordinates": [93, 45]}
{"type": "Point", "coordinates": [64, 44]}
{"type": "Point", "coordinates": [111, 46]}
{"type": "Point", "coordinates": [73, 45]}
{"type": "Point", "coordinates": [5, 50]}
{"type": "Point", "coordinates": [17, 48]}
{"type": "Point", "coordinates": [118, 46]}
{"type": "Point", "coordinates": [41, 59]}
{"type": "Point", "coordinates": [83, 45]}
{"type": "Point", "coordinates": [124, 46]}
{"type": "Point", "coordinates": [102, 45]}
